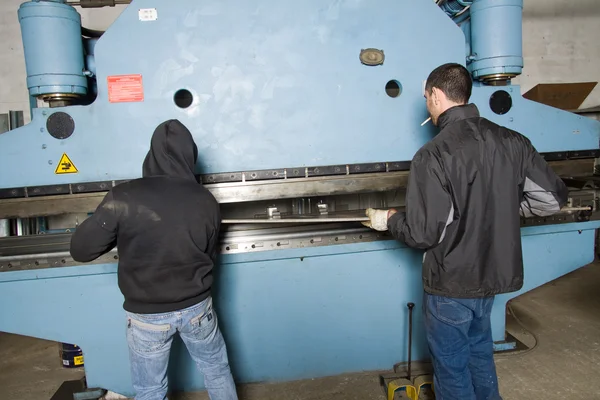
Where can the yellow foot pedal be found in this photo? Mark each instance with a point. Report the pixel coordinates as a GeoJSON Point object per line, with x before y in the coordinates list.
{"type": "Point", "coordinates": [424, 387]}
{"type": "Point", "coordinates": [401, 389]}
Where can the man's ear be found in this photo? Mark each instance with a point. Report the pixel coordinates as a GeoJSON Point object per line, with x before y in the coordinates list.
{"type": "Point", "coordinates": [436, 95]}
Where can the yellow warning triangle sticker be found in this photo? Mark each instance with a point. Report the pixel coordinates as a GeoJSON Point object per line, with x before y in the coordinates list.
{"type": "Point", "coordinates": [65, 166]}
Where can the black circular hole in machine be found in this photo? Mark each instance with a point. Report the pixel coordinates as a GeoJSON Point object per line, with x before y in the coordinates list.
{"type": "Point", "coordinates": [501, 102]}
{"type": "Point", "coordinates": [183, 98]}
{"type": "Point", "coordinates": [393, 88]}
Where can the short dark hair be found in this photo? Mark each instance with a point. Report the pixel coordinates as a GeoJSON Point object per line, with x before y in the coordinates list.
{"type": "Point", "coordinates": [452, 79]}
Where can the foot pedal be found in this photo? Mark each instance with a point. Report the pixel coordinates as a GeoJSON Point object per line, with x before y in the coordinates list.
{"type": "Point", "coordinates": [424, 386]}
{"type": "Point", "coordinates": [398, 388]}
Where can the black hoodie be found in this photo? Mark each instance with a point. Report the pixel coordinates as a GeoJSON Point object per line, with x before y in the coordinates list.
{"type": "Point", "coordinates": [165, 225]}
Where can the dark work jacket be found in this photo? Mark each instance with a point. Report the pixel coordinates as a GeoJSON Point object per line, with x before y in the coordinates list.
{"type": "Point", "coordinates": [466, 192]}
{"type": "Point", "coordinates": [165, 225]}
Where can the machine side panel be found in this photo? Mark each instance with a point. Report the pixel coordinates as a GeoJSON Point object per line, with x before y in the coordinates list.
{"type": "Point", "coordinates": [549, 129]}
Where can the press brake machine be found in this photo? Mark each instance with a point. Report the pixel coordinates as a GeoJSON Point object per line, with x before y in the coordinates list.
{"type": "Point", "coordinates": [305, 113]}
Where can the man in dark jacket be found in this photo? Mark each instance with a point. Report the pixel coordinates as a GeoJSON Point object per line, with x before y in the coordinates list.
{"type": "Point", "coordinates": [466, 190]}
{"type": "Point", "coordinates": [166, 227]}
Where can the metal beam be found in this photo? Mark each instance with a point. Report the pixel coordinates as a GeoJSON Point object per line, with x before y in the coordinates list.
{"type": "Point", "coordinates": [223, 192]}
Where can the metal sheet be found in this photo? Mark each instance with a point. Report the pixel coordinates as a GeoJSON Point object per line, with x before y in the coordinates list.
{"type": "Point", "coordinates": [34, 244]}
{"type": "Point", "coordinates": [359, 216]}
{"type": "Point", "coordinates": [296, 219]}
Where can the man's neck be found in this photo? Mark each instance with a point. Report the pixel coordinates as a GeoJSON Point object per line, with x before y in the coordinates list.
{"type": "Point", "coordinates": [450, 104]}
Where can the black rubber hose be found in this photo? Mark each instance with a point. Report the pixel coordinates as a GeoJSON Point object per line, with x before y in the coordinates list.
{"type": "Point", "coordinates": [97, 3]}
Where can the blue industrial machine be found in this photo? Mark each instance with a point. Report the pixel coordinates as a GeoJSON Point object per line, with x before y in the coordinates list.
{"type": "Point", "coordinates": [304, 112]}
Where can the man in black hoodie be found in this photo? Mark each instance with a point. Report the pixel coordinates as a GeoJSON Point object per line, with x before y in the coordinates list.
{"type": "Point", "coordinates": [166, 227]}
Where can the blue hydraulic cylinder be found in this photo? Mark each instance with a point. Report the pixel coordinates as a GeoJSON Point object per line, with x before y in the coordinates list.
{"type": "Point", "coordinates": [496, 39]}
{"type": "Point", "coordinates": [51, 32]}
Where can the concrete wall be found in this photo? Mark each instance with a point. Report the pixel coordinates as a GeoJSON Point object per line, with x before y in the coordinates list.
{"type": "Point", "coordinates": [560, 45]}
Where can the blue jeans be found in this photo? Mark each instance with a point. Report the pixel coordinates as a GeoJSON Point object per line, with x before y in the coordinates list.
{"type": "Point", "coordinates": [150, 336]}
{"type": "Point", "coordinates": [459, 333]}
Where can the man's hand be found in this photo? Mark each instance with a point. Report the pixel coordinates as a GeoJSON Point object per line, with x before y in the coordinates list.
{"type": "Point", "coordinates": [378, 218]}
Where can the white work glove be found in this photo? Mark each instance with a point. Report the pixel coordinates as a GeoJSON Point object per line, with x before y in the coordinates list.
{"type": "Point", "coordinates": [113, 396]}
{"type": "Point", "coordinates": [377, 219]}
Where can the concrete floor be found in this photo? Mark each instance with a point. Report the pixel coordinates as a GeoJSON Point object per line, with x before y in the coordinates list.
{"type": "Point", "coordinates": [565, 315]}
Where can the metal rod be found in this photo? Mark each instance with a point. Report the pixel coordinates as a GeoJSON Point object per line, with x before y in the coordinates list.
{"type": "Point", "coordinates": [410, 329]}
{"type": "Point", "coordinates": [293, 220]}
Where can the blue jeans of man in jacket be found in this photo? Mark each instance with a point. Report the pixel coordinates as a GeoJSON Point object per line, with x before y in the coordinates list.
{"type": "Point", "coordinates": [459, 334]}
{"type": "Point", "coordinates": [150, 336]}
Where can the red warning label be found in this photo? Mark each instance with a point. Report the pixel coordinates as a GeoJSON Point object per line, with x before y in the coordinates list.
{"type": "Point", "coordinates": [125, 88]}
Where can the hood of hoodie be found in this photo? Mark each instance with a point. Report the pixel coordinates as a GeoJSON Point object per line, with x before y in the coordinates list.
{"type": "Point", "coordinates": [172, 152]}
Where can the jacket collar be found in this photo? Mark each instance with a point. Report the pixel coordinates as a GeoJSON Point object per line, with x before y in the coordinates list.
{"type": "Point", "coordinates": [457, 113]}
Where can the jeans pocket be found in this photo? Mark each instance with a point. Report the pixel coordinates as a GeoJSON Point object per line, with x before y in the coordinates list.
{"type": "Point", "coordinates": [146, 338]}
{"type": "Point", "coordinates": [452, 312]}
{"type": "Point", "coordinates": [202, 325]}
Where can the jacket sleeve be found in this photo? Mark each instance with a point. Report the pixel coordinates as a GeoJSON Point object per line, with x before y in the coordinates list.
{"type": "Point", "coordinates": [97, 235]}
{"type": "Point", "coordinates": [429, 208]}
{"type": "Point", "coordinates": [544, 193]}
